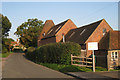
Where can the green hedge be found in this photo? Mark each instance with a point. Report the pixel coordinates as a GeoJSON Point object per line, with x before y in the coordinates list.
{"type": "Point", "coordinates": [30, 52]}
{"type": "Point", "coordinates": [4, 49]}
{"type": "Point", "coordinates": [55, 53]}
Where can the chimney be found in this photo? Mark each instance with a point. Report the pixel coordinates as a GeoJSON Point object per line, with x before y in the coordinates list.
{"type": "Point", "coordinates": [63, 37]}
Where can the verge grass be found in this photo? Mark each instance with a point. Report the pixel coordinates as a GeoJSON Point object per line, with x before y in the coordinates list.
{"type": "Point", "coordinates": [71, 68]}
{"type": "Point", "coordinates": [4, 55]}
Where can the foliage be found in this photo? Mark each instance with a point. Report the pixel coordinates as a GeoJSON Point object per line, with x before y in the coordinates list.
{"type": "Point", "coordinates": [6, 25]}
{"type": "Point", "coordinates": [55, 53]}
{"type": "Point", "coordinates": [29, 52]}
{"type": "Point", "coordinates": [4, 49]}
{"type": "Point", "coordinates": [101, 69]}
{"type": "Point", "coordinates": [30, 49]}
{"type": "Point", "coordinates": [5, 54]}
{"type": "Point", "coordinates": [29, 31]}
{"type": "Point", "coordinates": [6, 44]}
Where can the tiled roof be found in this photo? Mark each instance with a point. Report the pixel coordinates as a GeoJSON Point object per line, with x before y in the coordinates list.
{"type": "Point", "coordinates": [54, 30]}
{"type": "Point", "coordinates": [114, 40]}
{"type": "Point", "coordinates": [110, 41]}
{"type": "Point", "coordinates": [81, 34]}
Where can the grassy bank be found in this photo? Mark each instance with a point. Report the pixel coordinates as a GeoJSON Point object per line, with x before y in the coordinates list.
{"type": "Point", "coordinates": [71, 68]}
{"type": "Point", "coordinates": [4, 55]}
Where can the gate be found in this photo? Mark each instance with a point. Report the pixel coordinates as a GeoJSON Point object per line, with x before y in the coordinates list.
{"type": "Point", "coordinates": [81, 61]}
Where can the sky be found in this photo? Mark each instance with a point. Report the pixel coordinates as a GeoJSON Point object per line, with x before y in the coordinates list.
{"type": "Point", "coordinates": [81, 13]}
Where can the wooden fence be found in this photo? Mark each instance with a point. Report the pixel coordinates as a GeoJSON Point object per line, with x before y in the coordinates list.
{"type": "Point", "coordinates": [81, 61]}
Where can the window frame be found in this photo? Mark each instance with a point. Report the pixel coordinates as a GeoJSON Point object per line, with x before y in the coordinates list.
{"type": "Point", "coordinates": [114, 56]}
{"type": "Point", "coordinates": [104, 31]}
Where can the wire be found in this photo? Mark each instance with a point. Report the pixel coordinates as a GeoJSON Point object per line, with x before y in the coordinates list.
{"type": "Point", "coordinates": [97, 11]}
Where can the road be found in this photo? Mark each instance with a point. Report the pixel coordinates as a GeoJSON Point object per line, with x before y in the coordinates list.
{"type": "Point", "coordinates": [16, 66]}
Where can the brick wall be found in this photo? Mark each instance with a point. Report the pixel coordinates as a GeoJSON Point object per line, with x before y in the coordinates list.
{"type": "Point", "coordinates": [48, 24]}
{"type": "Point", "coordinates": [66, 27]}
{"type": "Point", "coordinates": [97, 34]}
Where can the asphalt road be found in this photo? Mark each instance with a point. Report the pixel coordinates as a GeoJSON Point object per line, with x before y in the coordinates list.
{"type": "Point", "coordinates": [16, 66]}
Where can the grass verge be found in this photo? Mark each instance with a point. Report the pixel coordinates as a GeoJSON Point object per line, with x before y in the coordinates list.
{"type": "Point", "coordinates": [4, 55]}
{"type": "Point", "coordinates": [71, 68]}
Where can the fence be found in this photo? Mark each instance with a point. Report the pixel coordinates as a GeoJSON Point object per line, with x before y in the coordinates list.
{"type": "Point", "coordinates": [81, 61]}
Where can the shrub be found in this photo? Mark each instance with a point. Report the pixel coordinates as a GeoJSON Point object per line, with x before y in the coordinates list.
{"type": "Point", "coordinates": [30, 52]}
{"type": "Point", "coordinates": [4, 49]}
{"type": "Point", "coordinates": [30, 49]}
{"type": "Point", "coordinates": [55, 53]}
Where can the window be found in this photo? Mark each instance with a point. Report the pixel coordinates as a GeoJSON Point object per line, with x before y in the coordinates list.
{"type": "Point", "coordinates": [72, 34]}
{"type": "Point", "coordinates": [104, 31]}
{"type": "Point", "coordinates": [44, 34]}
{"type": "Point", "coordinates": [82, 32]}
{"type": "Point", "coordinates": [114, 55]}
{"type": "Point", "coordinates": [50, 31]}
{"type": "Point", "coordinates": [58, 28]}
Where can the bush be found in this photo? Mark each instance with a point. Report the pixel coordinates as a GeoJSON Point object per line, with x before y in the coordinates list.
{"type": "Point", "coordinates": [56, 53]}
{"type": "Point", "coordinates": [4, 49]}
{"type": "Point", "coordinates": [30, 52]}
{"type": "Point", "coordinates": [30, 49]}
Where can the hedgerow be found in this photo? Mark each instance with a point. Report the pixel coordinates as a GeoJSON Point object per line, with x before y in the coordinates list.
{"type": "Point", "coordinates": [54, 53]}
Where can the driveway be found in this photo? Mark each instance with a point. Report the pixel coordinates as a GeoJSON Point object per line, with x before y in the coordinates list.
{"type": "Point", "coordinates": [16, 66]}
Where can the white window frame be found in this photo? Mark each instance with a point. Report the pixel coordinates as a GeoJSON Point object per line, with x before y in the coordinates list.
{"type": "Point", "coordinates": [58, 28]}
{"type": "Point", "coordinates": [113, 55]}
{"type": "Point", "coordinates": [50, 31]}
{"type": "Point", "coordinates": [72, 34]}
{"type": "Point", "coordinates": [83, 31]}
{"type": "Point", "coordinates": [104, 31]}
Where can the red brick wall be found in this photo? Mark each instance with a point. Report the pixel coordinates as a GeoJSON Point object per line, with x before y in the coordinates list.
{"type": "Point", "coordinates": [67, 26]}
{"type": "Point", "coordinates": [97, 34]}
{"type": "Point", "coordinates": [48, 24]}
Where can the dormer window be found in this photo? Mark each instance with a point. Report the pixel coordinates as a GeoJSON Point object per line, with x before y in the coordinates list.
{"type": "Point", "coordinates": [104, 31]}
{"type": "Point", "coordinates": [72, 34]}
{"type": "Point", "coordinates": [50, 31]}
{"type": "Point", "coordinates": [82, 32]}
{"type": "Point", "coordinates": [58, 28]}
{"type": "Point", "coordinates": [44, 34]}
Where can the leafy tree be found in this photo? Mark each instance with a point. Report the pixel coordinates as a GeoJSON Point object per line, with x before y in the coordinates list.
{"type": "Point", "coordinates": [6, 25]}
{"type": "Point", "coordinates": [28, 32]}
{"type": "Point", "coordinates": [6, 44]}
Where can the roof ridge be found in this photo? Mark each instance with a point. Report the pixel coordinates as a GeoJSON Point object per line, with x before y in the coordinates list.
{"type": "Point", "coordinates": [61, 22]}
{"type": "Point", "coordinates": [90, 24]}
{"type": "Point", "coordinates": [56, 28]}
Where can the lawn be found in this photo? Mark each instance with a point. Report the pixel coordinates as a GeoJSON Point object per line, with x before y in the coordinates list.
{"type": "Point", "coordinates": [3, 55]}
{"type": "Point", "coordinates": [71, 68]}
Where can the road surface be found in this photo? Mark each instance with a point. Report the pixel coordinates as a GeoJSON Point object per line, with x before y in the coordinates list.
{"type": "Point", "coordinates": [16, 66]}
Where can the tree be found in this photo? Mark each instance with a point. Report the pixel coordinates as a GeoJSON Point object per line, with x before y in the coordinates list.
{"type": "Point", "coordinates": [6, 25]}
{"type": "Point", "coordinates": [28, 32]}
{"type": "Point", "coordinates": [6, 44]}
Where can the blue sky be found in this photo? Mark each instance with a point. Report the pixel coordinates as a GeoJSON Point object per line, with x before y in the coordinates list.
{"type": "Point", "coordinates": [81, 13]}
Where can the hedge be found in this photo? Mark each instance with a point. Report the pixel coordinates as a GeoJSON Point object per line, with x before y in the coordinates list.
{"type": "Point", "coordinates": [29, 53]}
{"type": "Point", "coordinates": [55, 53]}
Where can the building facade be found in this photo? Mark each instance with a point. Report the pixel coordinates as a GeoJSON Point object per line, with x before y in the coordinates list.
{"type": "Point", "coordinates": [99, 31]}
{"type": "Point", "coordinates": [56, 32]}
